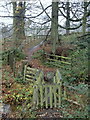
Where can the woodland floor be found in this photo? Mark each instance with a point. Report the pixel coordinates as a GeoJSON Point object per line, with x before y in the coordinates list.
{"type": "Point", "coordinates": [8, 80]}
{"type": "Point", "coordinates": [8, 83]}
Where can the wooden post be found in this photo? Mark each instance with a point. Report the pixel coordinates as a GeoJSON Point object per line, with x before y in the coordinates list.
{"type": "Point", "coordinates": [14, 66]}
{"type": "Point", "coordinates": [24, 72]}
{"type": "Point", "coordinates": [24, 62]}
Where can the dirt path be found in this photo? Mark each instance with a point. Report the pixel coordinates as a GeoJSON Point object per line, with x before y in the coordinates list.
{"type": "Point", "coordinates": [33, 49]}
{"type": "Point", "coordinates": [36, 63]}
{"type": "Point", "coordinates": [49, 113]}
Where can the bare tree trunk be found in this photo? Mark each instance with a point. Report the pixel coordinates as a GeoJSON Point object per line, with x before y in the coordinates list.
{"type": "Point", "coordinates": [84, 18]}
{"type": "Point", "coordinates": [68, 16]}
{"type": "Point", "coordinates": [21, 21]}
{"type": "Point", "coordinates": [18, 23]}
{"type": "Point", "coordinates": [14, 23]}
{"type": "Point", "coordinates": [18, 30]}
{"type": "Point", "coordinates": [54, 26]}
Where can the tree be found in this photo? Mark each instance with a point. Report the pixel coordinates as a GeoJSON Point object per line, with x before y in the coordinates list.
{"type": "Point", "coordinates": [14, 23]}
{"type": "Point", "coordinates": [18, 22]}
{"type": "Point", "coordinates": [84, 18]}
{"type": "Point", "coordinates": [54, 25]}
{"type": "Point", "coordinates": [68, 17]}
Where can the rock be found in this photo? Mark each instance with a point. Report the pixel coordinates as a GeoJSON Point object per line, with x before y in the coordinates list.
{"type": "Point", "coordinates": [4, 109]}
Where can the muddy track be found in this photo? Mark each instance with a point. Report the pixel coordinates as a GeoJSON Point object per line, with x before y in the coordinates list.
{"type": "Point", "coordinates": [33, 49]}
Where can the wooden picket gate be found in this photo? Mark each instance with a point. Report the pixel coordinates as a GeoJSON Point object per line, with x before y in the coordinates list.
{"type": "Point", "coordinates": [47, 95]}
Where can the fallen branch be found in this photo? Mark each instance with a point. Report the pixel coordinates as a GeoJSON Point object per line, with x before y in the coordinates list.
{"type": "Point", "coordinates": [74, 102]}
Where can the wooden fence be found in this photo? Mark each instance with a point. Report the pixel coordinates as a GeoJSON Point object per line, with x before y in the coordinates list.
{"type": "Point", "coordinates": [57, 61]}
{"type": "Point", "coordinates": [8, 57]}
{"type": "Point", "coordinates": [49, 95]}
{"type": "Point", "coordinates": [54, 60]}
{"type": "Point", "coordinates": [30, 74]}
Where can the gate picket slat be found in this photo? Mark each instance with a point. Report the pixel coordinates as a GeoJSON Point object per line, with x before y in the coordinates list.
{"type": "Point", "coordinates": [59, 94]}
{"type": "Point", "coordinates": [41, 95]}
{"type": "Point", "coordinates": [46, 97]}
{"type": "Point", "coordinates": [37, 96]}
{"type": "Point", "coordinates": [50, 88]}
{"type": "Point", "coordinates": [34, 96]}
{"type": "Point", "coordinates": [55, 96]}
